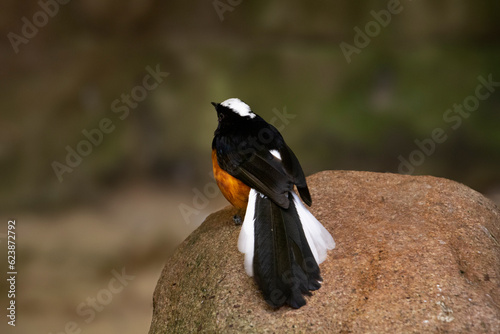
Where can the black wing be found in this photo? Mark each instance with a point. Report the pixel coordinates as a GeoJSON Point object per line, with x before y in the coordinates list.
{"type": "Point", "coordinates": [293, 168]}
{"type": "Point", "coordinates": [252, 162]}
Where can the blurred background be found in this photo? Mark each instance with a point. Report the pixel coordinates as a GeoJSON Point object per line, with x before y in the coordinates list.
{"type": "Point", "coordinates": [105, 159]}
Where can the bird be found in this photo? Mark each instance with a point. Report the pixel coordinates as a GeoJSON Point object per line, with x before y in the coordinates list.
{"type": "Point", "coordinates": [257, 173]}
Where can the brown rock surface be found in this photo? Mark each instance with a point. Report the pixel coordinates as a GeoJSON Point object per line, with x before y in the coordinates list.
{"type": "Point", "coordinates": [414, 254]}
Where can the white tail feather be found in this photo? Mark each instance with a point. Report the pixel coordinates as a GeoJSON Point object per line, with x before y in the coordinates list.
{"type": "Point", "coordinates": [246, 240]}
{"type": "Point", "coordinates": [318, 238]}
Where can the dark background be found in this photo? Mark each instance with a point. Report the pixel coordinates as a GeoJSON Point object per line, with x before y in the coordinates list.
{"type": "Point", "coordinates": [121, 206]}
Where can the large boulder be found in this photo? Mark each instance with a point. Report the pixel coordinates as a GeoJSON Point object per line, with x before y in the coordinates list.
{"type": "Point", "coordinates": [414, 254]}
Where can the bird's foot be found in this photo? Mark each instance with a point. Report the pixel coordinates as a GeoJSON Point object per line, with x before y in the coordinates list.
{"type": "Point", "coordinates": [237, 220]}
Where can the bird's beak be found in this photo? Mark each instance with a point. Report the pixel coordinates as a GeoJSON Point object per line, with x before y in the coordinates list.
{"type": "Point", "coordinates": [215, 104]}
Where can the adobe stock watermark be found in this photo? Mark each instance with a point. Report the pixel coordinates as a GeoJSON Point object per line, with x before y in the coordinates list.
{"type": "Point", "coordinates": [30, 28]}
{"type": "Point", "coordinates": [121, 107]}
{"type": "Point", "coordinates": [372, 29]}
{"type": "Point", "coordinates": [89, 308]}
{"type": "Point", "coordinates": [222, 6]}
{"type": "Point", "coordinates": [201, 198]}
{"type": "Point", "coordinates": [453, 117]}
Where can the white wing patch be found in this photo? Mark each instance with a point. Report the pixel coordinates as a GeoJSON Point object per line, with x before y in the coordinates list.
{"type": "Point", "coordinates": [239, 107]}
{"type": "Point", "coordinates": [276, 154]}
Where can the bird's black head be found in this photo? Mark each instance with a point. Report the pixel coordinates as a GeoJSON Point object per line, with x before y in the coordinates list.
{"type": "Point", "coordinates": [232, 112]}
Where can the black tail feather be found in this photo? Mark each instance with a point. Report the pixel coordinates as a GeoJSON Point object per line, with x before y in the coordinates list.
{"type": "Point", "coordinates": [284, 266]}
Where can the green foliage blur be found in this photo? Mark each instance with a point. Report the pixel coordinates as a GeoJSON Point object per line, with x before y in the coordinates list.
{"type": "Point", "coordinates": [361, 114]}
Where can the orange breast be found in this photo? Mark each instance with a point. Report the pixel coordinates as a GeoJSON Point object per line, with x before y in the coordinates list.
{"type": "Point", "coordinates": [235, 191]}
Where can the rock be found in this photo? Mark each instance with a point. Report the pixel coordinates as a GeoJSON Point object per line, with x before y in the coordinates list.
{"type": "Point", "coordinates": [414, 254]}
